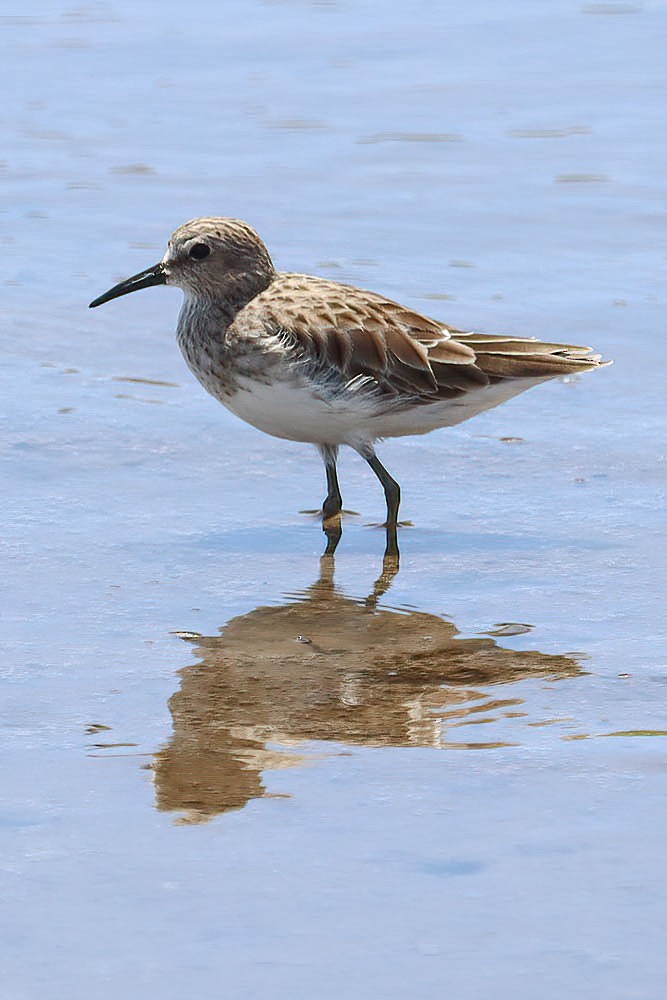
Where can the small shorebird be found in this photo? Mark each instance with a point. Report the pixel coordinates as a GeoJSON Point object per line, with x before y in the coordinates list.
{"type": "Point", "coordinates": [308, 359]}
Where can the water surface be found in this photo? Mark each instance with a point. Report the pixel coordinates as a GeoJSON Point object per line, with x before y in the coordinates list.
{"type": "Point", "coordinates": [232, 767]}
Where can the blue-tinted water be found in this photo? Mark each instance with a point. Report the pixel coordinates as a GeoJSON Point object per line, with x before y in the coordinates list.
{"type": "Point", "coordinates": [402, 805]}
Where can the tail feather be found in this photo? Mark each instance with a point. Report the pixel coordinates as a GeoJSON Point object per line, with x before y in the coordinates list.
{"type": "Point", "coordinates": [515, 357]}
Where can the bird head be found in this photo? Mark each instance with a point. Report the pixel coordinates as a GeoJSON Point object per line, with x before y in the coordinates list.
{"type": "Point", "coordinates": [216, 259]}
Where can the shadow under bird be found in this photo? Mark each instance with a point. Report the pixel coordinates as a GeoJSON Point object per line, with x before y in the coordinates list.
{"type": "Point", "coordinates": [308, 359]}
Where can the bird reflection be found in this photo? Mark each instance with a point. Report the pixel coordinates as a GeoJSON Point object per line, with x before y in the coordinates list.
{"type": "Point", "coordinates": [324, 666]}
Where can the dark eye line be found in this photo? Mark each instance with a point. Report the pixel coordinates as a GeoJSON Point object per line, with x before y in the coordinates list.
{"type": "Point", "coordinates": [199, 251]}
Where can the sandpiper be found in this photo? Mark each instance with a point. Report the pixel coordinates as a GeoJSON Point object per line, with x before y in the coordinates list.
{"type": "Point", "coordinates": [308, 359]}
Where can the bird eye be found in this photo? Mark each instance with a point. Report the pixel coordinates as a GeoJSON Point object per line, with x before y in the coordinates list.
{"type": "Point", "coordinates": [199, 251]}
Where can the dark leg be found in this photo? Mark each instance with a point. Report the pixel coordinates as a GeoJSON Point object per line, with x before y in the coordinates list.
{"type": "Point", "coordinates": [333, 504]}
{"type": "Point", "coordinates": [392, 492]}
{"type": "Point", "coordinates": [391, 552]}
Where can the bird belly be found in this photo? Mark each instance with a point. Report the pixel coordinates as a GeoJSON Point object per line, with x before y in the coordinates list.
{"type": "Point", "coordinates": [299, 412]}
{"type": "Point", "coordinates": [425, 417]}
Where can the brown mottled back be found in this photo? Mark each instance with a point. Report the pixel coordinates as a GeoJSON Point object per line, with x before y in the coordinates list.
{"type": "Point", "coordinates": [362, 333]}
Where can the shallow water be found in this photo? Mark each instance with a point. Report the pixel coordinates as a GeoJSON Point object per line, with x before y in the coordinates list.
{"type": "Point", "coordinates": [233, 767]}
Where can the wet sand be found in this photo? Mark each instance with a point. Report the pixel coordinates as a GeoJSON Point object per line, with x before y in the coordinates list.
{"type": "Point", "coordinates": [233, 767]}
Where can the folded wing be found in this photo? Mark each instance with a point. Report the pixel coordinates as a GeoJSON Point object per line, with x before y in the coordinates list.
{"type": "Point", "coordinates": [367, 338]}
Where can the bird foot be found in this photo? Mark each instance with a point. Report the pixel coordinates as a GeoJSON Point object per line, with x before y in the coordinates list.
{"type": "Point", "coordinates": [386, 524]}
{"type": "Point", "coordinates": [320, 513]}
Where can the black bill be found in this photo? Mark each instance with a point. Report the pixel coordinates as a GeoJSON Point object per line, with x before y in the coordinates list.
{"type": "Point", "coordinates": [151, 276]}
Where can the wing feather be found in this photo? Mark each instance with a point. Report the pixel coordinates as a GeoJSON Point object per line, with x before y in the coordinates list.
{"type": "Point", "coordinates": [371, 340]}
